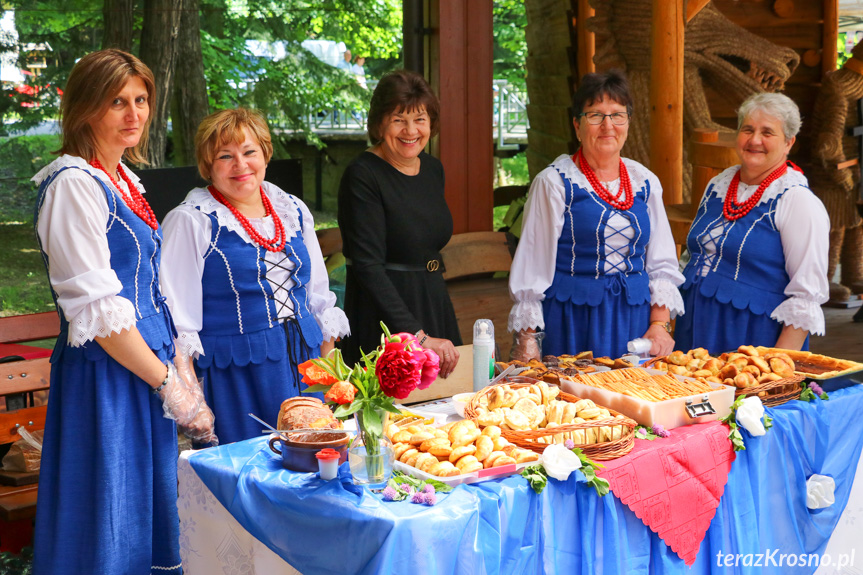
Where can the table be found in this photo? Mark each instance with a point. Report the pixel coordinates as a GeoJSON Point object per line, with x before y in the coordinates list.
{"type": "Point", "coordinates": [501, 526]}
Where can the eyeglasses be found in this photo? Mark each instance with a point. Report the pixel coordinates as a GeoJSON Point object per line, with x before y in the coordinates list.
{"type": "Point", "coordinates": [595, 118]}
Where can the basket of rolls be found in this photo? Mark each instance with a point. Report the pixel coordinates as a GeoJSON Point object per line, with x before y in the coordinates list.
{"type": "Point", "coordinates": [533, 415]}
{"type": "Point", "coordinates": [456, 452]}
{"type": "Point", "coordinates": [769, 375]}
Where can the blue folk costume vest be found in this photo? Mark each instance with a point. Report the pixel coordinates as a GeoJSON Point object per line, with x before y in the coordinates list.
{"type": "Point", "coordinates": [135, 256]}
{"type": "Point", "coordinates": [109, 456]}
{"type": "Point", "coordinates": [250, 358]}
{"type": "Point", "coordinates": [586, 308]}
{"type": "Point", "coordinates": [746, 278]}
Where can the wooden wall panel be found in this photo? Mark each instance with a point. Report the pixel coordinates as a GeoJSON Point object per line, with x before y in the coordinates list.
{"type": "Point", "coordinates": [461, 46]}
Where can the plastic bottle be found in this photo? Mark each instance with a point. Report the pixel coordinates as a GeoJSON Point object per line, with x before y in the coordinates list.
{"type": "Point", "coordinates": [483, 353]}
{"type": "Point", "coordinates": [640, 347]}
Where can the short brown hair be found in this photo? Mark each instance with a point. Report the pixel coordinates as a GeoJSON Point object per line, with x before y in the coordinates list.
{"type": "Point", "coordinates": [226, 126]}
{"type": "Point", "coordinates": [594, 87]}
{"type": "Point", "coordinates": [94, 82]}
{"type": "Point", "coordinates": [399, 91]}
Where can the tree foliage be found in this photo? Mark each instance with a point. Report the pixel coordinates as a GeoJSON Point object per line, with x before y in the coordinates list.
{"type": "Point", "coordinates": [289, 90]}
{"type": "Point", "coordinates": [510, 46]}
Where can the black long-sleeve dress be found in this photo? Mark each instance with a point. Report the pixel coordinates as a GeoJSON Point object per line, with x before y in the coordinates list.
{"type": "Point", "coordinates": [392, 225]}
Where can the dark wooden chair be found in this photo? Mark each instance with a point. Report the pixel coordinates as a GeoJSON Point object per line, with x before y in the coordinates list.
{"type": "Point", "coordinates": [505, 195]}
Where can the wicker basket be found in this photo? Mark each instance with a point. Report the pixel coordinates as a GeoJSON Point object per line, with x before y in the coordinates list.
{"type": "Point", "coordinates": [775, 392]}
{"type": "Point", "coordinates": [528, 439]}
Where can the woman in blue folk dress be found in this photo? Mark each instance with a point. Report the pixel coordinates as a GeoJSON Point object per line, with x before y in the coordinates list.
{"type": "Point", "coordinates": [108, 482]}
{"type": "Point", "coordinates": [244, 274]}
{"type": "Point", "coordinates": [757, 273]}
{"type": "Point", "coordinates": [596, 264]}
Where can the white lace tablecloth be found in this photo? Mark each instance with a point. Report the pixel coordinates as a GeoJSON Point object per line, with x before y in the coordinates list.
{"type": "Point", "coordinates": [211, 540]}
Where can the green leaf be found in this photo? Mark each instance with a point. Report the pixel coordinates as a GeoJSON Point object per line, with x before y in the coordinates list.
{"type": "Point", "coordinates": [316, 388]}
{"type": "Point", "coordinates": [372, 423]}
{"type": "Point", "coordinates": [808, 394]}
{"type": "Point", "coordinates": [348, 409]}
{"type": "Point", "coordinates": [768, 422]}
{"type": "Point", "coordinates": [601, 486]}
{"type": "Point", "coordinates": [536, 477]}
{"type": "Point", "coordinates": [736, 439]}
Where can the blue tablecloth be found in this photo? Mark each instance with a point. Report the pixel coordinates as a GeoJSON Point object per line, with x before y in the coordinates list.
{"type": "Point", "coordinates": [502, 526]}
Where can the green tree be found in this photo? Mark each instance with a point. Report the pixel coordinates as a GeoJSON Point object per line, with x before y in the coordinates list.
{"type": "Point", "coordinates": [510, 46]}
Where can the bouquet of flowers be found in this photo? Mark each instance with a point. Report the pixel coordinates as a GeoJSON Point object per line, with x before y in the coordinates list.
{"type": "Point", "coordinates": [367, 389]}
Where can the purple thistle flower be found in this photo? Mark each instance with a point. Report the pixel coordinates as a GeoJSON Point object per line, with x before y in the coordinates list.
{"type": "Point", "coordinates": [430, 498]}
{"type": "Point", "coordinates": [418, 497]}
{"type": "Point", "coordinates": [815, 388]}
{"type": "Point", "coordinates": [389, 493]}
{"type": "Point", "coordinates": [641, 431]}
{"type": "Point", "coordinates": [406, 488]}
{"type": "Point", "coordinates": [428, 489]}
{"type": "Point", "coordinates": [569, 444]}
{"type": "Point", "coordinates": [657, 429]}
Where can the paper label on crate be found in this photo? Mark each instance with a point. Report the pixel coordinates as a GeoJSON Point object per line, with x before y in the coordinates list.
{"type": "Point", "coordinates": [674, 484]}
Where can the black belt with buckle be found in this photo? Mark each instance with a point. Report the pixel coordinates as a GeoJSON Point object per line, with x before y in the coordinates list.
{"type": "Point", "coordinates": [431, 266]}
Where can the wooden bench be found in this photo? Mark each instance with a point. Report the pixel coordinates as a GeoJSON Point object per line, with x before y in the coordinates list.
{"type": "Point", "coordinates": [24, 385]}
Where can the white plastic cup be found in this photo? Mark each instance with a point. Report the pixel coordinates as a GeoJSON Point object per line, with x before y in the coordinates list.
{"type": "Point", "coordinates": [328, 463]}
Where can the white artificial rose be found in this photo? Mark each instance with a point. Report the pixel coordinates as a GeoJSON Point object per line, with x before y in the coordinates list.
{"type": "Point", "coordinates": [819, 492]}
{"type": "Point", "coordinates": [559, 461]}
{"type": "Point", "coordinates": [749, 415]}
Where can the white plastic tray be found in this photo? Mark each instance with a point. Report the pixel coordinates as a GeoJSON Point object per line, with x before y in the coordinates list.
{"type": "Point", "coordinates": [669, 414]}
{"type": "Point", "coordinates": [475, 477]}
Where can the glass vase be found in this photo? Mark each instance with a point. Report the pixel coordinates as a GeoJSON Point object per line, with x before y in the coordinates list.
{"type": "Point", "coordinates": [371, 454]}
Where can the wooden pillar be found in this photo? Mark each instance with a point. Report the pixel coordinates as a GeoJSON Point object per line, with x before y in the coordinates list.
{"type": "Point", "coordinates": [666, 97]}
{"type": "Point", "coordinates": [461, 74]}
{"type": "Point", "coordinates": [586, 39]}
{"type": "Point", "coordinates": [831, 36]}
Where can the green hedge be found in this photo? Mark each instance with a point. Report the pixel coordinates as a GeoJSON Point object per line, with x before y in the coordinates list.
{"type": "Point", "coordinates": [20, 158]}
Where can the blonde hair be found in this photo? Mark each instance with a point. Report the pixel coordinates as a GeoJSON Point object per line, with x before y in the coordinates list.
{"type": "Point", "coordinates": [224, 127]}
{"type": "Point", "coordinates": [93, 84]}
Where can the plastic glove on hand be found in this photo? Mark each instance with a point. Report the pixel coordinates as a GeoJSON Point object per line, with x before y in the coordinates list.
{"type": "Point", "coordinates": [179, 402]}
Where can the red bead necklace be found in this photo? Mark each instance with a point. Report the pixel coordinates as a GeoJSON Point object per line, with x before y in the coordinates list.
{"type": "Point", "coordinates": [276, 244]}
{"type": "Point", "coordinates": [134, 200]}
{"type": "Point", "coordinates": [732, 209]}
{"type": "Point", "coordinates": [601, 190]}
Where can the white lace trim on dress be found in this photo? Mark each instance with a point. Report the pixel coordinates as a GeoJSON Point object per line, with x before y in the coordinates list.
{"type": "Point", "coordinates": [800, 313]}
{"type": "Point", "coordinates": [282, 204]}
{"type": "Point", "coordinates": [792, 178]}
{"type": "Point", "coordinates": [101, 318]}
{"type": "Point", "coordinates": [333, 323]}
{"type": "Point", "coordinates": [188, 344]}
{"type": "Point", "coordinates": [663, 292]}
{"type": "Point", "coordinates": [525, 315]}
{"type": "Point", "coordinates": [66, 161]}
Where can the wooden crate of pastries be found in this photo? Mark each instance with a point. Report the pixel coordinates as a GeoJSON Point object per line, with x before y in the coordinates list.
{"type": "Point", "coordinates": [637, 382]}
{"type": "Point", "coordinates": [454, 449]}
{"type": "Point", "coordinates": [771, 375]}
{"type": "Point", "coordinates": [535, 415]}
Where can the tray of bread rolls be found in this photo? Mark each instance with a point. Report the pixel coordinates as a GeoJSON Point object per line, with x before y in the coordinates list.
{"type": "Point", "coordinates": [533, 414]}
{"type": "Point", "coordinates": [768, 373]}
{"type": "Point", "coordinates": [458, 452]}
{"type": "Point", "coordinates": [651, 396]}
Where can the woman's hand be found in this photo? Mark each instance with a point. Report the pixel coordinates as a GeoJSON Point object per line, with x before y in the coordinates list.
{"type": "Point", "coordinates": [202, 428]}
{"type": "Point", "coordinates": [180, 402]}
{"type": "Point", "coordinates": [446, 351]}
{"type": "Point", "coordinates": [663, 343]}
{"type": "Point", "coordinates": [526, 348]}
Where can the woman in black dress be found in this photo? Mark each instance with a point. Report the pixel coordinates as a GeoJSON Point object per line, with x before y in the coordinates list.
{"type": "Point", "coordinates": [394, 221]}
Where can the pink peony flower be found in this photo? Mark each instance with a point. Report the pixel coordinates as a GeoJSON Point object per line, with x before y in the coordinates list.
{"type": "Point", "coordinates": [399, 370]}
{"type": "Point", "coordinates": [403, 337]}
{"type": "Point", "coordinates": [430, 370]}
